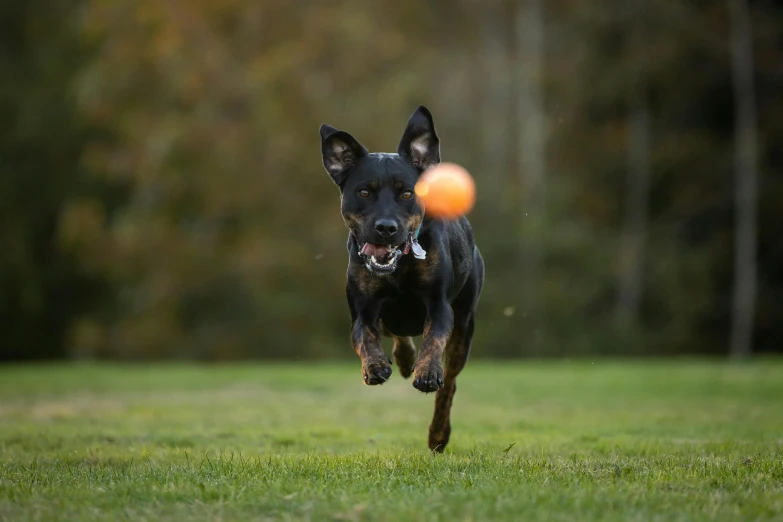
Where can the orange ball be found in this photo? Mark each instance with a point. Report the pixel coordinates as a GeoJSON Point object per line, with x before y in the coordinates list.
{"type": "Point", "coordinates": [447, 191]}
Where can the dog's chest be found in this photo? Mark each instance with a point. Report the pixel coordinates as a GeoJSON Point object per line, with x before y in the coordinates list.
{"type": "Point", "coordinates": [403, 314]}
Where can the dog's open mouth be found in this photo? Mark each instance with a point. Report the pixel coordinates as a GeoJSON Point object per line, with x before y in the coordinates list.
{"type": "Point", "coordinates": [381, 258]}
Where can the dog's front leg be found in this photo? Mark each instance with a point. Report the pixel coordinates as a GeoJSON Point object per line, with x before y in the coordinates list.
{"type": "Point", "coordinates": [366, 342]}
{"type": "Point", "coordinates": [428, 372]}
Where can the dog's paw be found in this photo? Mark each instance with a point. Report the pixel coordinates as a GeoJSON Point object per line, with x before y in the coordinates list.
{"type": "Point", "coordinates": [377, 371]}
{"type": "Point", "coordinates": [405, 360]}
{"type": "Point", "coordinates": [405, 370]}
{"type": "Point", "coordinates": [428, 379]}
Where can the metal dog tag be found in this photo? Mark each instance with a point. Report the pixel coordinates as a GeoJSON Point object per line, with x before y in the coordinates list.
{"type": "Point", "coordinates": [418, 252]}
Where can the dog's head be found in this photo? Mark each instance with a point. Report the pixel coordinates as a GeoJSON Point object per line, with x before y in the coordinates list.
{"type": "Point", "coordinates": [378, 202]}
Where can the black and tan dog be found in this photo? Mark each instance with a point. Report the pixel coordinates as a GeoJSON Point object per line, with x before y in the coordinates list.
{"type": "Point", "coordinates": [408, 274]}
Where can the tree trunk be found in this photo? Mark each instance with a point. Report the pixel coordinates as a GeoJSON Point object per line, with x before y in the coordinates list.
{"type": "Point", "coordinates": [746, 176]}
{"type": "Point", "coordinates": [494, 55]}
{"type": "Point", "coordinates": [530, 104]}
{"type": "Point", "coordinates": [529, 32]}
{"type": "Point", "coordinates": [634, 236]}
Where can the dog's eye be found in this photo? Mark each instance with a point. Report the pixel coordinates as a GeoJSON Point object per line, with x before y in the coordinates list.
{"type": "Point", "coordinates": [408, 194]}
{"type": "Point", "coordinates": [364, 193]}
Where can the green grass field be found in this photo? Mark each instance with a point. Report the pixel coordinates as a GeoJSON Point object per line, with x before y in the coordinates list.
{"type": "Point", "coordinates": [592, 440]}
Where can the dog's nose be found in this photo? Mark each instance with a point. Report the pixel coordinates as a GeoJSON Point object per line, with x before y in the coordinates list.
{"type": "Point", "coordinates": [386, 227]}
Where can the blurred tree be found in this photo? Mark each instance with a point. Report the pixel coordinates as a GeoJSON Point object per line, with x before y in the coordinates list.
{"type": "Point", "coordinates": [43, 287]}
{"type": "Point", "coordinates": [746, 175]}
{"type": "Point", "coordinates": [768, 83]}
{"type": "Point", "coordinates": [531, 121]}
{"type": "Point", "coordinates": [632, 248]}
{"type": "Point", "coordinates": [634, 229]}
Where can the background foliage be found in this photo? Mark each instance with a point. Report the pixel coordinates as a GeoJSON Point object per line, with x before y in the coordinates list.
{"type": "Point", "coordinates": [163, 196]}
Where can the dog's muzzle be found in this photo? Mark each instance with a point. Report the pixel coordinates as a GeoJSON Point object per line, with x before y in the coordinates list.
{"type": "Point", "coordinates": [384, 258]}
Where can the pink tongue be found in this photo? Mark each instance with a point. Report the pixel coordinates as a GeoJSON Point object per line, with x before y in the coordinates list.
{"type": "Point", "coordinates": [378, 251]}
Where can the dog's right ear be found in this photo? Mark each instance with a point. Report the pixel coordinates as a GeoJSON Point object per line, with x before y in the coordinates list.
{"type": "Point", "coordinates": [340, 152]}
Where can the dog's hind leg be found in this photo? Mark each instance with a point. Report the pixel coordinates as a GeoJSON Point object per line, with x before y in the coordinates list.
{"type": "Point", "coordinates": [456, 355]}
{"type": "Point", "coordinates": [404, 351]}
{"type": "Point", "coordinates": [404, 355]}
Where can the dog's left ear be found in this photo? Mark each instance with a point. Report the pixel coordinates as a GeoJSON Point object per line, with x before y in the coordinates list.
{"type": "Point", "coordinates": [419, 143]}
{"type": "Point", "coordinates": [340, 152]}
